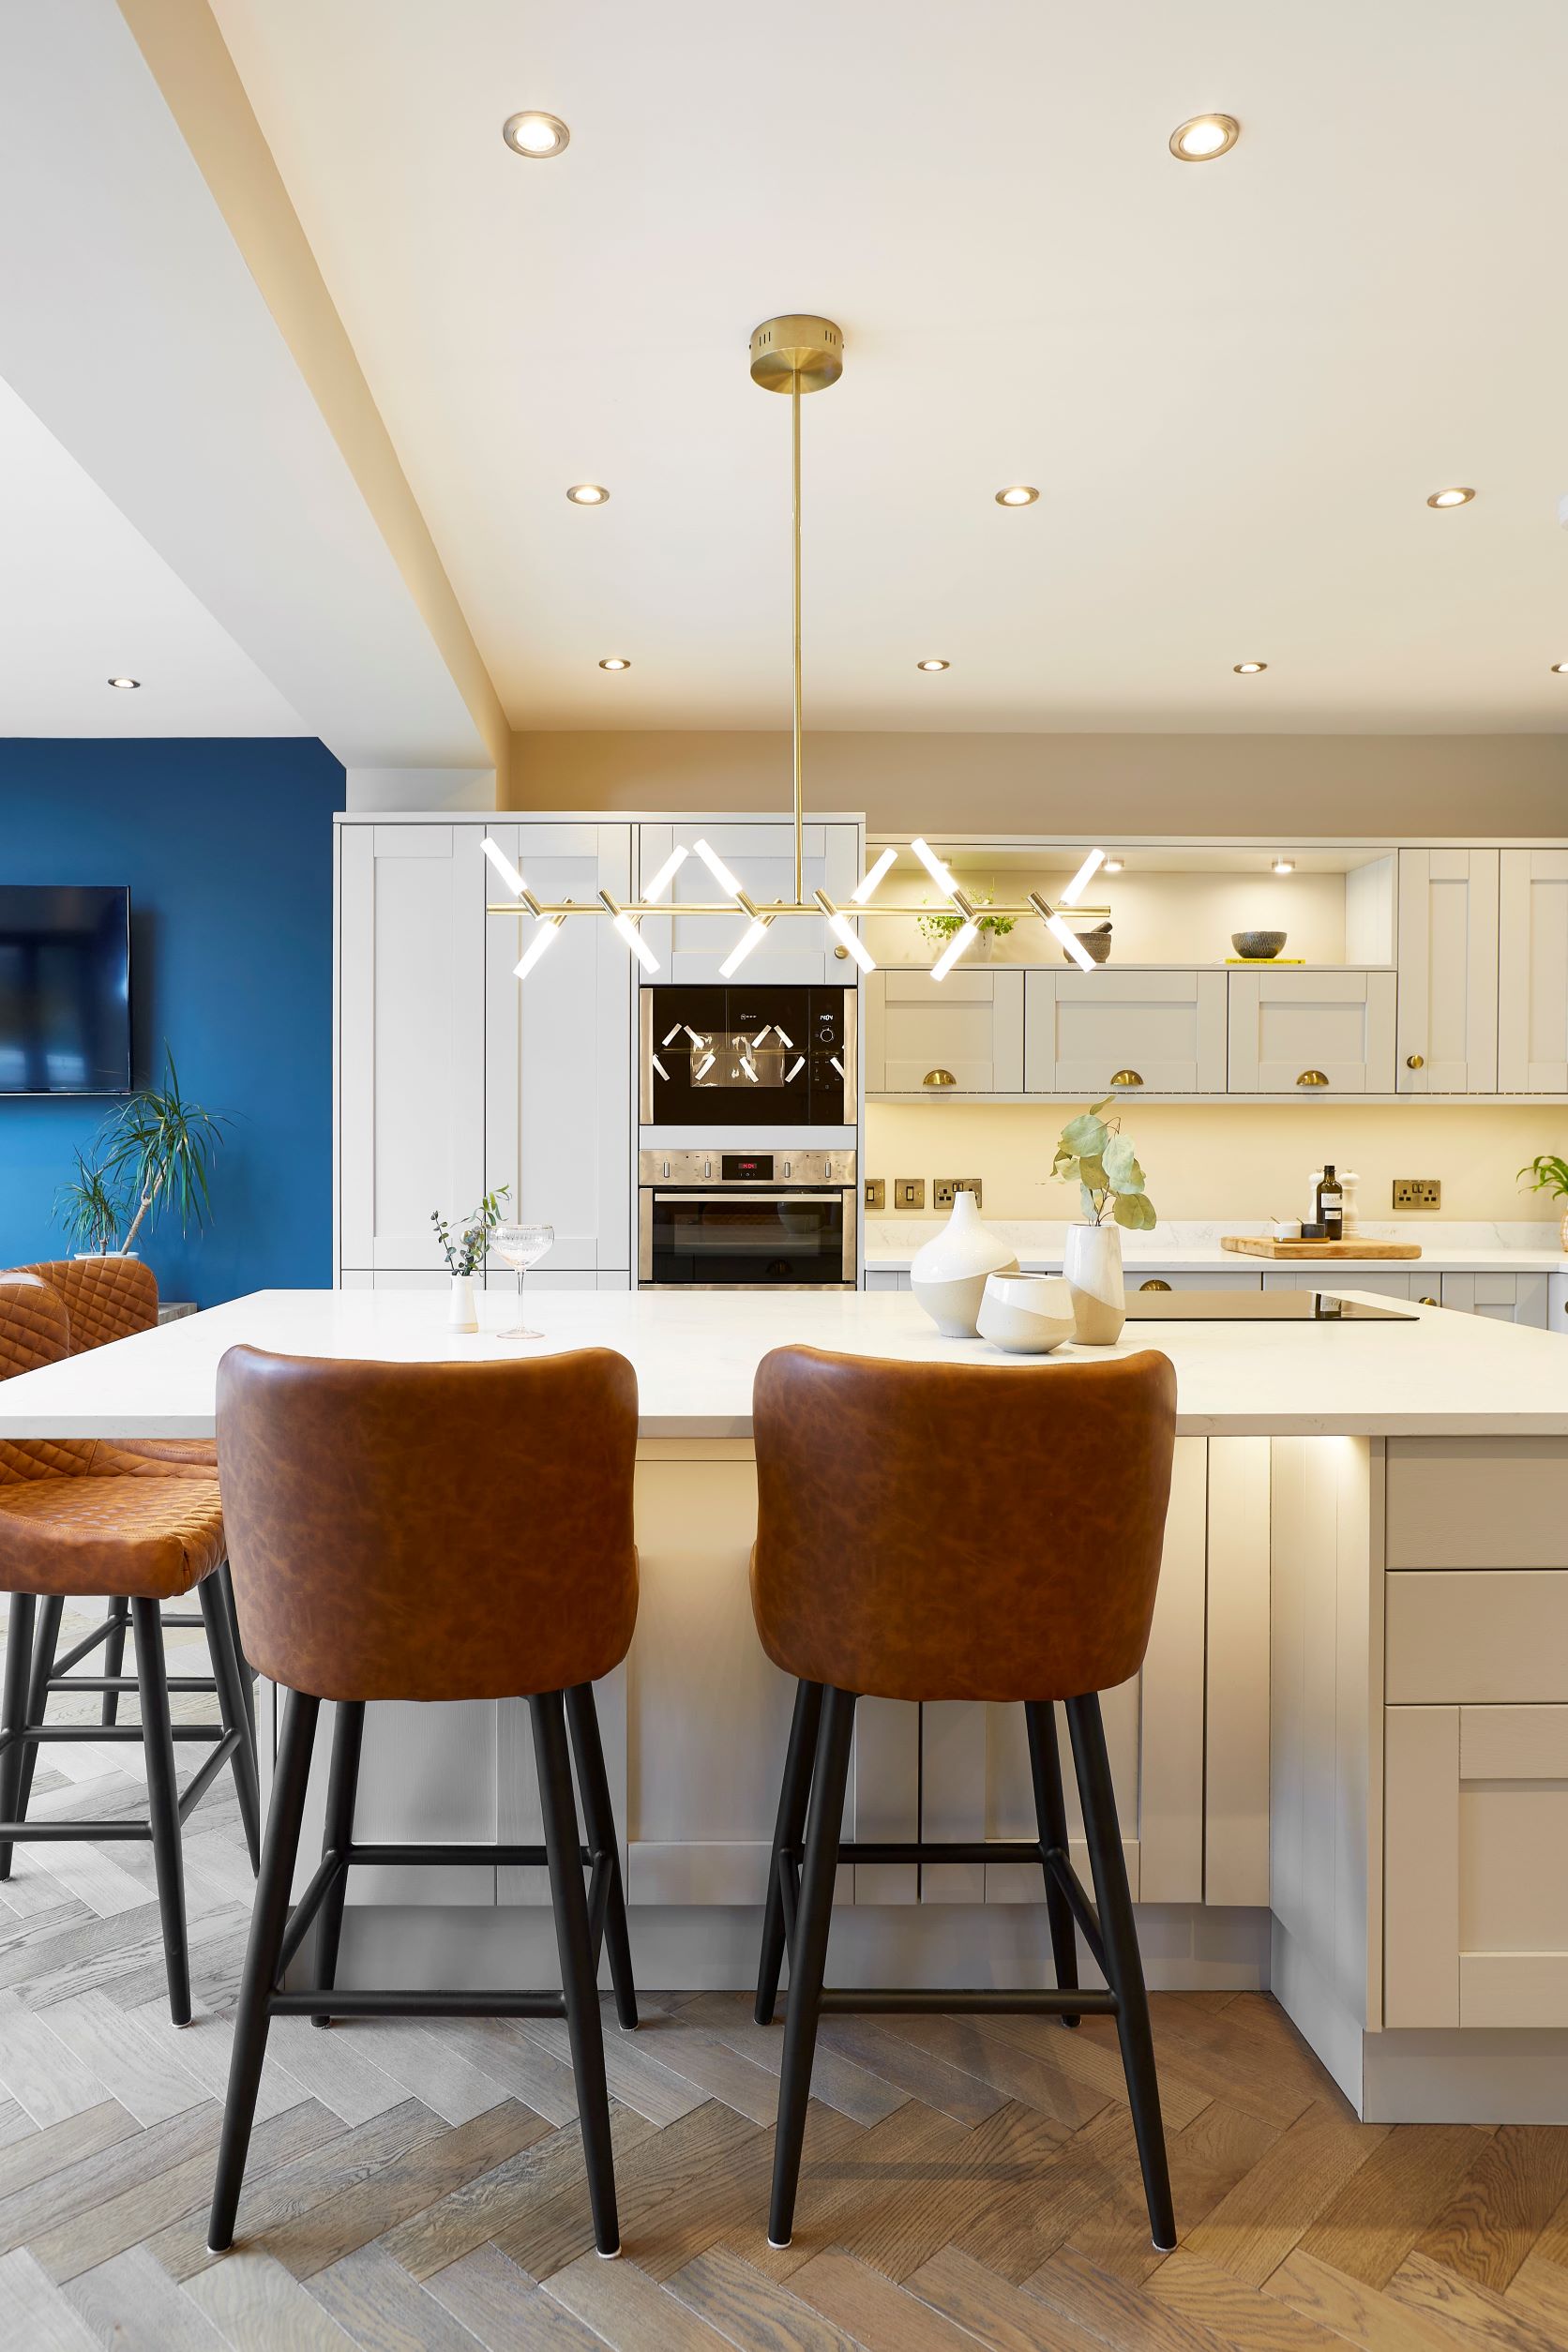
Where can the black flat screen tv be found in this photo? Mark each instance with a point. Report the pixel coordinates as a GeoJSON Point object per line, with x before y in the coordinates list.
{"type": "Point", "coordinates": [65, 990]}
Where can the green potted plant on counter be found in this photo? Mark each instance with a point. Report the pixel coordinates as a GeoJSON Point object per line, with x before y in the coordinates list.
{"type": "Point", "coordinates": [1094, 1154]}
{"type": "Point", "coordinates": [1548, 1173]}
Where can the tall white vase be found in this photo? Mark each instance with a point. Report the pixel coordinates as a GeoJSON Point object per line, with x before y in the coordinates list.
{"type": "Point", "coordinates": [948, 1275]}
{"type": "Point", "coordinates": [1093, 1270]}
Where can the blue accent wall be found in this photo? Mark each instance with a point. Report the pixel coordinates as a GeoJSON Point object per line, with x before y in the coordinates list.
{"type": "Point", "coordinates": [226, 846]}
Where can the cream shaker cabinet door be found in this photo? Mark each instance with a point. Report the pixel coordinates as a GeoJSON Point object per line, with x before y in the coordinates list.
{"type": "Point", "coordinates": [1533, 973]}
{"type": "Point", "coordinates": [970, 1025]}
{"type": "Point", "coordinates": [558, 1054]}
{"type": "Point", "coordinates": [1165, 1029]}
{"type": "Point", "coordinates": [1448, 971]}
{"type": "Point", "coordinates": [761, 858]}
{"type": "Point", "coordinates": [410, 1038]}
{"type": "Point", "coordinates": [1298, 1029]}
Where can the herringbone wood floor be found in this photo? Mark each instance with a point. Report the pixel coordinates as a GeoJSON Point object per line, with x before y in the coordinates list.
{"type": "Point", "coordinates": [965, 2183]}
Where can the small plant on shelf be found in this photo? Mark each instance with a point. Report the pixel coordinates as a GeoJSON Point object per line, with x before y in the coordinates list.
{"type": "Point", "coordinates": [1548, 1173]}
{"type": "Point", "coordinates": [937, 929]}
{"type": "Point", "coordinates": [464, 1245]}
{"type": "Point", "coordinates": [1094, 1154]}
{"type": "Point", "coordinates": [89, 1210]}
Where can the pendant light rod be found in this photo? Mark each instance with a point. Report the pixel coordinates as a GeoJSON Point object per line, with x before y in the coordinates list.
{"type": "Point", "coordinates": [799, 734]}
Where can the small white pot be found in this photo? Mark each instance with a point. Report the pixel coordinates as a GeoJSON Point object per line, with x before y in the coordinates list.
{"type": "Point", "coordinates": [460, 1315]}
{"type": "Point", "coordinates": [1028, 1315]}
{"type": "Point", "coordinates": [948, 1275]}
{"type": "Point", "coordinates": [1093, 1270]}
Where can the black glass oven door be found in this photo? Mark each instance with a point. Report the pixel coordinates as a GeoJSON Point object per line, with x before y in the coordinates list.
{"type": "Point", "coordinates": [742, 1240]}
{"type": "Point", "coordinates": [732, 1058]}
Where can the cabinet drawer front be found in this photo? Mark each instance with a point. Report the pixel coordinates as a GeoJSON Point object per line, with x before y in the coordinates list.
{"type": "Point", "coordinates": [1169, 1027]}
{"type": "Point", "coordinates": [1285, 1023]}
{"type": "Point", "coordinates": [1499, 1637]}
{"type": "Point", "coordinates": [969, 1024]}
{"type": "Point", "coordinates": [1443, 1506]}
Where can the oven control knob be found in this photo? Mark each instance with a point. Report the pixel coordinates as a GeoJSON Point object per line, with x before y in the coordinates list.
{"type": "Point", "coordinates": [787, 1171]}
{"type": "Point", "coordinates": [707, 1168]}
{"type": "Point", "coordinates": [667, 1168]}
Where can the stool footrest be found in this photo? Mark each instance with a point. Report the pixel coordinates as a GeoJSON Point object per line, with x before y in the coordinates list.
{"type": "Point", "coordinates": [127, 1682]}
{"type": "Point", "coordinates": [895, 2001]}
{"type": "Point", "coordinates": [931, 1850]}
{"type": "Point", "coordinates": [94, 1732]}
{"type": "Point", "coordinates": [408, 2001]}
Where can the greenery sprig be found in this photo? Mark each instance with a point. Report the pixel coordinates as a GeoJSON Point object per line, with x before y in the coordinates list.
{"type": "Point", "coordinates": [1094, 1154]}
{"type": "Point", "coordinates": [1550, 1174]}
{"type": "Point", "coordinates": [464, 1245]}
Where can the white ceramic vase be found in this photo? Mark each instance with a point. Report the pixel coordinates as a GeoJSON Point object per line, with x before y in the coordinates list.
{"type": "Point", "coordinates": [460, 1315]}
{"type": "Point", "coordinates": [948, 1275]}
{"type": "Point", "coordinates": [1093, 1270]}
{"type": "Point", "coordinates": [1027, 1315]}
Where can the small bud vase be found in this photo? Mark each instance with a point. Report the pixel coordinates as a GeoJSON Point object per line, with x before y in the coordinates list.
{"type": "Point", "coordinates": [460, 1315]}
{"type": "Point", "coordinates": [948, 1275]}
{"type": "Point", "coordinates": [1093, 1270]}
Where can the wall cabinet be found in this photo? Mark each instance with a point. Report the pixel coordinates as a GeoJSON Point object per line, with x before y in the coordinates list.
{"type": "Point", "coordinates": [1082, 1028]}
{"type": "Point", "coordinates": [1533, 973]}
{"type": "Point", "coordinates": [1287, 1025]}
{"type": "Point", "coordinates": [762, 860]}
{"type": "Point", "coordinates": [558, 1084]}
{"type": "Point", "coordinates": [1448, 971]}
{"type": "Point", "coordinates": [410, 1038]}
{"type": "Point", "coordinates": [969, 1024]}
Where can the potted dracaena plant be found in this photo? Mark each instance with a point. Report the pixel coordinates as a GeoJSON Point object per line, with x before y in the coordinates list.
{"type": "Point", "coordinates": [1094, 1154]}
{"type": "Point", "coordinates": [1548, 1173]}
{"type": "Point", "coordinates": [162, 1146]}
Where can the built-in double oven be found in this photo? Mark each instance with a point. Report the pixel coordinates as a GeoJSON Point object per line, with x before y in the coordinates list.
{"type": "Point", "coordinates": [716, 1219]}
{"type": "Point", "coordinates": [765, 1055]}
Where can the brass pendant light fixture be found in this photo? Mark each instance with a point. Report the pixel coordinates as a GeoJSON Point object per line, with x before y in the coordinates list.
{"type": "Point", "coordinates": [795, 354]}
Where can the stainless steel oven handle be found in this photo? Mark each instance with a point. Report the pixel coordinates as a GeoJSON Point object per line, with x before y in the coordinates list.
{"type": "Point", "coordinates": [748, 1192]}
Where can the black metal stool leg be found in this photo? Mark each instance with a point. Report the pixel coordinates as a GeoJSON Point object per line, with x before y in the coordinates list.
{"type": "Point", "coordinates": [45, 1642]}
{"type": "Point", "coordinates": [342, 1786]}
{"type": "Point", "coordinates": [570, 1899]}
{"type": "Point", "coordinates": [235, 1709]}
{"type": "Point", "coordinates": [1124, 1965]}
{"type": "Point", "coordinates": [114, 1655]}
{"type": "Point", "coordinates": [598, 1816]}
{"type": "Point", "coordinates": [163, 1803]}
{"type": "Point", "coordinates": [1051, 1813]}
{"type": "Point", "coordinates": [267, 1923]}
{"type": "Point", "coordinates": [789, 1829]}
{"type": "Point", "coordinates": [810, 1957]}
{"type": "Point", "coordinates": [19, 1659]}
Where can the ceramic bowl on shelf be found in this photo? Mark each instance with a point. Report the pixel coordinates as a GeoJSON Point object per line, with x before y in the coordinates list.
{"type": "Point", "coordinates": [1028, 1315]}
{"type": "Point", "coordinates": [1258, 947]}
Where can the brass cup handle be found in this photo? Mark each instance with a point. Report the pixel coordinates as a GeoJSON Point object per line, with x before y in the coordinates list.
{"type": "Point", "coordinates": [1312, 1078]}
{"type": "Point", "coordinates": [1426, 1302]}
{"type": "Point", "coordinates": [1153, 1285]}
{"type": "Point", "coordinates": [1415, 1061]}
{"type": "Point", "coordinates": [1126, 1077]}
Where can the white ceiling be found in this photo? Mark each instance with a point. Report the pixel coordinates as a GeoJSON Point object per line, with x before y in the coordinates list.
{"type": "Point", "coordinates": [1234, 382]}
{"type": "Point", "coordinates": [84, 598]}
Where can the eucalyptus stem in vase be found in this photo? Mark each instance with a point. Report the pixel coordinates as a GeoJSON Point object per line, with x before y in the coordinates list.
{"type": "Point", "coordinates": [1093, 1152]}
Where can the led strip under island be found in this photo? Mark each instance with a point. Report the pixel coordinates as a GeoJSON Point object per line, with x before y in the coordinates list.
{"type": "Point", "coordinates": [794, 354]}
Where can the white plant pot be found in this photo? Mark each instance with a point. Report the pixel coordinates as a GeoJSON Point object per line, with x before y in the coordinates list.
{"type": "Point", "coordinates": [1093, 1270]}
{"type": "Point", "coordinates": [1028, 1315]}
{"type": "Point", "coordinates": [948, 1275]}
{"type": "Point", "coordinates": [460, 1315]}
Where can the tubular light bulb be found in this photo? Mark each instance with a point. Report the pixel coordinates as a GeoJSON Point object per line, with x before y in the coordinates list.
{"type": "Point", "coordinates": [748, 938]}
{"type": "Point", "coordinates": [843, 929]}
{"type": "Point", "coordinates": [667, 873]}
{"type": "Point", "coordinates": [1070, 941]}
{"type": "Point", "coordinates": [717, 868]}
{"type": "Point", "coordinates": [933, 865]}
{"type": "Point", "coordinates": [536, 948]}
{"type": "Point", "coordinates": [504, 866]}
{"type": "Point", "coordinates": [963, 937]}
{"type": "Point", "coordinates": [873, 877]}
{"type": "Point", "coordinates": [635, 942]}
{"type": "Point", "coordinates": [1082, 879]}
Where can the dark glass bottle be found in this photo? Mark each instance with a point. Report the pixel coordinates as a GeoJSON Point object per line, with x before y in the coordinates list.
{"type": "Point", "coordinates": [1331, 1203]}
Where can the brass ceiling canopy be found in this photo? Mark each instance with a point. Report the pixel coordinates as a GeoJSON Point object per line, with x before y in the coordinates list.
{"type": "Point", "coordinates": [797, 350]}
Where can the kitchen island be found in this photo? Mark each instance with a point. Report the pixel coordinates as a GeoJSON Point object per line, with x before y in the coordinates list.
{"type": "Point", "coordinates": [1343, 1772]}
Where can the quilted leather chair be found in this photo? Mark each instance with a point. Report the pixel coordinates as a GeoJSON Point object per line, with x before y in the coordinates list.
{"type": "Point", "coordinates": [88, 1517]}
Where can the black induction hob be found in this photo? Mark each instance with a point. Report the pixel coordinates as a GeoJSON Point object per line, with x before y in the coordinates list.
{"type": "Point", "coordinates": [1257, 1306]}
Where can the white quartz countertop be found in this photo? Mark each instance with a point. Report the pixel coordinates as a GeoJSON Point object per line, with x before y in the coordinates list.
{"type": "Point", "coordinates": [1189, 1246]}
{"type": "Point", "coordinates": [696, 1355]}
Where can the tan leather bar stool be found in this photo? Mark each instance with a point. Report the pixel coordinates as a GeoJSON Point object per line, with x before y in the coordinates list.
{"type": "Point", "coordinates": [431, 1531]}
{"type": "Point", "coordinates": [938, 1531]}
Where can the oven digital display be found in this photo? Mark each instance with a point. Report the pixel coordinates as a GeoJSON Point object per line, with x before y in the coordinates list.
{"type": "Point", "coordinates": [746, 1167]}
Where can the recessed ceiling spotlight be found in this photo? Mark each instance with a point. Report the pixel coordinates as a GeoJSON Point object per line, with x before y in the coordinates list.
{"type": "Point", "coordinates": [1204, 138]}
{"type": "Point", "coordinates": [534, 135]}
{"type": "Point", "coordinates": [588, 495]}
{"type": "Point", "coordinates": [126, 685]}
{"type": "Point", "coordinates": [1249, 669]}
{"type": "Point", "coordinates": [1113, 866]}
{"type": "Point", "coordinates": [615, 661]}
{"type": "Point", "coordinates": [1559, 669]}
{"type": "Point", "coordinates": [1451, 498]}
{"type": "Point", "coordinates": [1285, 866]}
{"type": "Point", "coordinates": [933, 665]}
{"type": "Point", "coordinates": [1018, 494]}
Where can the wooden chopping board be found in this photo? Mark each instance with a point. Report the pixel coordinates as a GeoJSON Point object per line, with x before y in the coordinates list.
{"type": "Point", "coordinates": [1264, 1245]}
